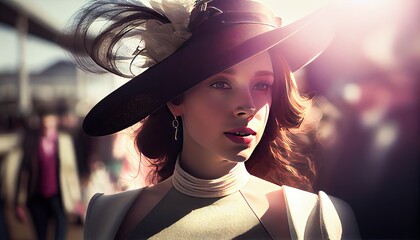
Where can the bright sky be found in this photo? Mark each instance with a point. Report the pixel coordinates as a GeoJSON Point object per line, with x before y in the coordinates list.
{"type": "Point", "coordinates": [41, 54]}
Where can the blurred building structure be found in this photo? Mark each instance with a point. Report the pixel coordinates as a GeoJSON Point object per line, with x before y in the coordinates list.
{"type": "Point", "coordinates": [60, 81]}
{"type": "Point", "coordinates": [57, 83]}
{"type": "Point", "coordinates": [25, 22]}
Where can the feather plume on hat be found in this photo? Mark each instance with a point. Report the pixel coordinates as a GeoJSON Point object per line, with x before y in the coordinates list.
{"type": "Point", "coordinates": [134, 36]}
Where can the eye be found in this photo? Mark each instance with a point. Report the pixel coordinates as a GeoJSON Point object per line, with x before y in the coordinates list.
{"type": "Point", "coordinates": [220, 85]}
{"type": "Point", "coordinates": [262, 86]}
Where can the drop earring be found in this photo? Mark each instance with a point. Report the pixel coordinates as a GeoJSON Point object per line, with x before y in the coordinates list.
{"type": "Point", "coordinates": [175, 124]}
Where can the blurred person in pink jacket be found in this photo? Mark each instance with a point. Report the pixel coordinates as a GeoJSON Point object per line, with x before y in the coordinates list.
{"type": "Point", "coordinates": [49, 175]}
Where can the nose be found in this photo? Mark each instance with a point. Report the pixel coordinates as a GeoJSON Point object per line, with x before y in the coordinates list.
{"type": "Point", "coordinates": [245, 106]}
{"type": "Point", "coordinates": [244, 111]}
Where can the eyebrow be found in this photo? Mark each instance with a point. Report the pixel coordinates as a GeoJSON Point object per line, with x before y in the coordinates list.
{"type": "Point", "coordinates": [264, 73]}
{"type": "Point", "coordinates": [232, 71]}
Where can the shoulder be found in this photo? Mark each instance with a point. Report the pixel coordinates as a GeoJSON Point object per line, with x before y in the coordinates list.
{"type": "Point", "coordinates": [105, 213]}
{"type": "Point", "coordinates": [313, 214]}
{"type": "Point", "coordinates": [259, 185]}
{"type": "Point", "coordinates": [105, 201]}
{"type": "Point", "coordinates": [308, 214]}
{"type": "Point", "coordinates": [347, 218]}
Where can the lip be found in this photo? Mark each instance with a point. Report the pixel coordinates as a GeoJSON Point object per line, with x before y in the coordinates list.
{"type": "Point", "coordinates": [248, 135]}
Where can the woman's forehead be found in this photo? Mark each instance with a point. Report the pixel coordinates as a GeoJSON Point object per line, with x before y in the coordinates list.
{"type": "Point", "coordinates": [259, 65]}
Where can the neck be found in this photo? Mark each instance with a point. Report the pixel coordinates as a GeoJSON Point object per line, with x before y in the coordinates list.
{"type": "Point", "coordinates": [210, 188]}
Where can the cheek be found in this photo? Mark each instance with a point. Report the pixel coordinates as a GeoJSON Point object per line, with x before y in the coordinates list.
{"type": "Point", "coordinates": [263, 105]}
{"type": "Point", "coordinates": [264, 111]}
{"type": "Point", "coordinates": [203, 113]}
{"type": "Point", "coordinates": [262, 118]}
{"type": "Point", "coordinates": [204, 103]}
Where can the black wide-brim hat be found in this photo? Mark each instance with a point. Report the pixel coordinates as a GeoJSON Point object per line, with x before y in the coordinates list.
{"type": "Point", "coordinates": [224, 33]}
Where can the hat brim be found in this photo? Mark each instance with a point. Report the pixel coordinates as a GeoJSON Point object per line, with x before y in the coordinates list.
{"type": "Point", "coordinates": [299, 43]}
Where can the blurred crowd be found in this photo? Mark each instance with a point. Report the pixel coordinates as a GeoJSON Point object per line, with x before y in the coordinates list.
{"type": "Point", "coordinates": [49, 170]}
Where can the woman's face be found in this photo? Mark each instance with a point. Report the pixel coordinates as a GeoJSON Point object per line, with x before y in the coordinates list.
{"type": "Point", "coordinates": [225, 116]}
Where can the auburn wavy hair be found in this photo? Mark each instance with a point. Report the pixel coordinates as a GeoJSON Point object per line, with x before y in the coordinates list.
{"type": "Point", "coordinates": [278, 157]}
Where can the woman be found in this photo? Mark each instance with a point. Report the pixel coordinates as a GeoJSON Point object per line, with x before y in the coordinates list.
{"type": "Point", "coordinates": [218, 93]}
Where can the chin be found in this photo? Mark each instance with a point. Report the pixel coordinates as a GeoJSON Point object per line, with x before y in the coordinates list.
{"type": "Point", "coordinates": [238, 154]}
{"type": "Point", "coordinates": [241, 156]}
